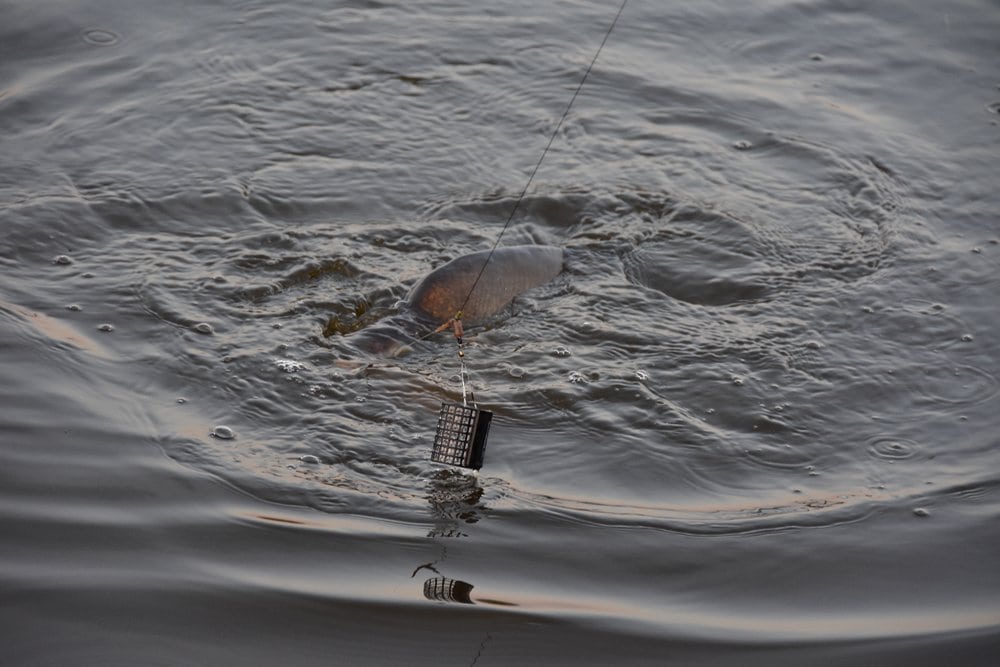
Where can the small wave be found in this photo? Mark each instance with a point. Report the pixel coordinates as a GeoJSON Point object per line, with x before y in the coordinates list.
{"type": "Point", "coordinates": [893, 449]}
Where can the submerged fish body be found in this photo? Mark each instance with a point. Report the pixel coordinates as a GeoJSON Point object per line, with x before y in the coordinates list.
{"type": "Point", "coordinates": [506, 274]}
{"type": "Point", "coordinates": [436, 299]}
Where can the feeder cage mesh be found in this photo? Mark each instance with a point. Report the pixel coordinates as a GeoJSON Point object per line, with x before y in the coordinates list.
{"type": "Point", "coordinates": [461, 436]}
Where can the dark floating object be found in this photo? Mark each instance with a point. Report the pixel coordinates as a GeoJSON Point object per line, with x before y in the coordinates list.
{"type": "Point", "coordinates": [461, 436]}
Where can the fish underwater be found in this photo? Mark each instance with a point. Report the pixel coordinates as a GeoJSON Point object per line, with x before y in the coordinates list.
{"type": "Point", "coordinates": [439, 296]}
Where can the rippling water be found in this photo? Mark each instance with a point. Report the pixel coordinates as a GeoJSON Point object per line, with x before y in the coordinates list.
{"type": "Point", "coordinates": [754, 420]}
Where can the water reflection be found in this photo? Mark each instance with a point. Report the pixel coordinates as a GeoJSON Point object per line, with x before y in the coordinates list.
{"type": "Point", "coordinates": [443, 589]}
{"type": "Point", "coordinates": [455, 499]}
{"type": "Point", "coordinates": [446, 589]}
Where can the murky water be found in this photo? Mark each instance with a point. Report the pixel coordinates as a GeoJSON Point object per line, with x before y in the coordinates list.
{"type": "Point", "coordinates": [753, 421]}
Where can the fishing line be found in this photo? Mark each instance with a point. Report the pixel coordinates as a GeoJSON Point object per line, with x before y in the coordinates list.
{"type": "Point", "coordinates": [534, 171]}
{"type": "Point", "coordinates": [462, 430]}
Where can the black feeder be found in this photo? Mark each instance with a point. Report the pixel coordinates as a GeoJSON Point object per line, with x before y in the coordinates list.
{"type": "Point", "coordinates": [461, 436]}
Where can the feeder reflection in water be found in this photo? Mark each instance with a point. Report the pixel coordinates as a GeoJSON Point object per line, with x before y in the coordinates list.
{"type": "Point", "coordinates": [443, 589]}
{"type": "Point", "coordinates": [454, 497]}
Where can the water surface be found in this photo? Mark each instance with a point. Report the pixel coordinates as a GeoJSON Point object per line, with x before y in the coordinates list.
{"type": "Point", "coordinates": [754, 420]}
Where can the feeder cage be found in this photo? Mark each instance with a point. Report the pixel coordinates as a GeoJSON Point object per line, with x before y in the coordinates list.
{"type": "Point", "coordinates": [461, 436]}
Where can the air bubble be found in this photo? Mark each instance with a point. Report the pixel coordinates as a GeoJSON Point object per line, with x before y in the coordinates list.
{"type": "Point", "coordinates": [577, 377]}
{"type": "Point", "coordinates": [515, 372]}
{"type": "Point", "coordinates": [74, 307]}
{"type": "Point", "coordinates": [310, 459]}
{"type": "Point", "coordinates": [99, 37]}
{"type": "Point", "coordinates": [289, 365]}
{"type": "Point", "coordinates": [742, 145]}
{"type": "Point", "coordinates": [892, 449]}
{"type": "Point", "coordinates": [203, 328]}
{"type": "Point", "coordinates": [63, 260]}
{"type": "Point", "coordinates": [561, 351]}
{"type": "Point", "coordinates": [921, 512]}
{"type": "Point", "coordinates": [967, 337]}
{"type": "Point", "coordinates": [106, 328]}
{"type": "Point", "coordinates": [641, 375]}
{"type": "Point", "coordinates": [223, 433]}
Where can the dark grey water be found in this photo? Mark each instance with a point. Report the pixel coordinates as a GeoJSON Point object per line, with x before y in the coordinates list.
{"type": "Point", "coordinates": [753, 422]}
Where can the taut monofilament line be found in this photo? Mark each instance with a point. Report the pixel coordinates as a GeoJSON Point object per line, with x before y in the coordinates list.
{"type": "Point", "coordinates": [462, 431]}
{"type": "Point", "coordinates": [545, 151]}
